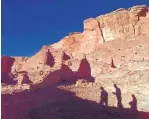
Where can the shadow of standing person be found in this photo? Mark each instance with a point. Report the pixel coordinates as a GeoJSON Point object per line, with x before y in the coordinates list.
{"type": "Point", "coordinates": [133, 103]}
{"type": "Point", "coordinates": [118, 95]}
{"type": "Point", "coordinates": [103, 97]}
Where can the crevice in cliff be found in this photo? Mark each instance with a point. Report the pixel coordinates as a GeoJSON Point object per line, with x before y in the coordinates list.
{"type": "Point", "coordinates": [135, 25]}
{"type": "Point", "coordinates": [102, 35]}
{"type": "Point", "coordinates": [101, 32]}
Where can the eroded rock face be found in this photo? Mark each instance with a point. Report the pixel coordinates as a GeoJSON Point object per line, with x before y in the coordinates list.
{"type": "Point", "coordinates": [113, 48]}
{"type": "Point", "coordinates": [121, 35]}
{"type": "Point", "coordinates": [121, 23]}
{"type": "Point", "coordinates": [92, 35]}
{"type": "Point", "coordinates": [118, 25]}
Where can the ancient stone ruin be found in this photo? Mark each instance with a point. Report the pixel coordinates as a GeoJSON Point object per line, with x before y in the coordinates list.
{"type": "Point", "coordinates": [64, 80]}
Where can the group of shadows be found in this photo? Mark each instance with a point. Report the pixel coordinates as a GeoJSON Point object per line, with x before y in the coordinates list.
{"type": "Point", "coordinates": [51, 102]}
{"type": "Point", "coordinates": [67, 105]}
{"type": "Point", "coordinates": [104, 98]}
{"type": "Point", "coordinates": [56, 103]}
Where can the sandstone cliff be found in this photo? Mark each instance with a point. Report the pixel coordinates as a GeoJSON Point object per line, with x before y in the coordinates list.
{"type": "Point", "coordinates": [113, 48]}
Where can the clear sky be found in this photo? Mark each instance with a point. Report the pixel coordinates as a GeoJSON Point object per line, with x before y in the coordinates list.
{"type": "Point", "coordinates": [29, 24]}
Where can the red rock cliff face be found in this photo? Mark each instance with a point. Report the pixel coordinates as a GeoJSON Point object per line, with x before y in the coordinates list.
{"type": "Point", "coordinates": [116, 50]}
{"type": "Point", "coordinates": [122, 35]}
{"type": "Point", "coordinates": [121, 24]}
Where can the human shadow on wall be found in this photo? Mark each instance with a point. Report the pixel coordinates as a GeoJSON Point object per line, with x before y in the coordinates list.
{"type": "Point", "coordinates": [53, 103]}
{"type": "Point", "coordinates": [103, 97]}
{"type": "Point", "coordinates": [66, 105]}
{"type": "Point", "coordinates": [118, 96]}
{"type": "Point", "coordinates": [133, 103]}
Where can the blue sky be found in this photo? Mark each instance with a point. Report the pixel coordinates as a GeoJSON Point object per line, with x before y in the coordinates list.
{"type": "Point", "coordinates": [29, 24]}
